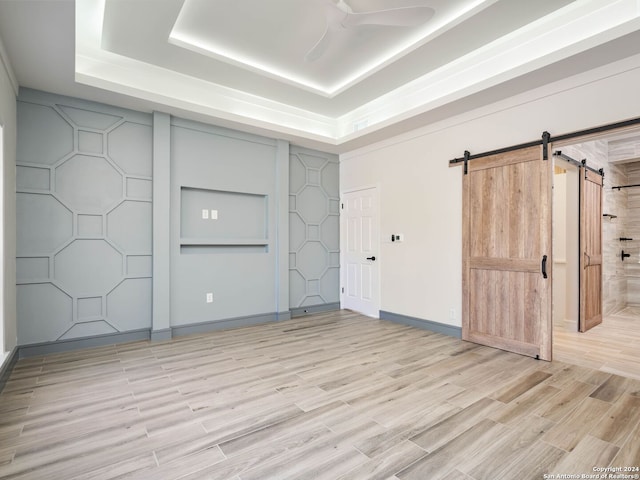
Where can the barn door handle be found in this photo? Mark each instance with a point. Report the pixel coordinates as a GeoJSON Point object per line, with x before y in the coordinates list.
{"type": "Point", "coordinates": [371, 258]}
{"type": "Point", "coordinates": [544, 266]}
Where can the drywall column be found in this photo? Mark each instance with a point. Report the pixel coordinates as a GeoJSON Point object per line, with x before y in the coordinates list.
{"type": "Point", "coordinates": [8, 92]}
{"type": "Point", "coordinates": [282, 239]}
{"type": "Point", "coordinates": [161, 313]}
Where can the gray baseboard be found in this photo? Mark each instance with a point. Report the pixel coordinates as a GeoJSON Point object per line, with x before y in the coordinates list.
{"type": "Point", "coordinates": [60, 346]}
{"type": "Point", "coordinates": [48, 348]}
{"type": "Point", "coordinates": [437, 327]}
{"type": "Point", "coordinates": [7, 367]}
{"type": "Point", "coordinates": [226, 324]}
{"type": "Point", "coordinates": [161, 335]}
{"type": "Point", "coordinates": [323, 307]}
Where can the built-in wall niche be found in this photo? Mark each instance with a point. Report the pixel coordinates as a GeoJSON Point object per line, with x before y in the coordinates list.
{"type": "Point", "coordinates": [217, 221]}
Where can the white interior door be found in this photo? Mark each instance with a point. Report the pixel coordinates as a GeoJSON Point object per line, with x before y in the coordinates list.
{"type": "Point", "coordinates": [360, 272]}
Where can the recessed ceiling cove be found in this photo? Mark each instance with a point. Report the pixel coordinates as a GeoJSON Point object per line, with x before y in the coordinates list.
{"type": "Point", "coordinates": [341, 72]}
{"type": "Point", "coordinates": [324, 46]}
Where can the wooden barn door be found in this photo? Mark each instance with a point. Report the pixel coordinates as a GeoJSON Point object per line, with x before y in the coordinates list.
{"type": "Point", "coordinates": [507, 252]}
{"type": "Point", "coordinates": [591, 249]}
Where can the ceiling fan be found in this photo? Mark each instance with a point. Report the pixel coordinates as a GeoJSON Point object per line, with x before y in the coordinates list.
{"type": "Point", "coordinates": [340, 16]}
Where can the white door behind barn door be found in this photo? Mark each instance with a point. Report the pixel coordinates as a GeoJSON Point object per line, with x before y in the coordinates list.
{"type": "Point", "coordinates": [360, 272]}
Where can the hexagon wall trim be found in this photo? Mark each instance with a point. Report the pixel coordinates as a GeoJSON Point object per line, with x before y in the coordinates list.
{"type": "Point", "coordinates": [313, 210]}
{"type": "Point", "coordinates": [91, 118]}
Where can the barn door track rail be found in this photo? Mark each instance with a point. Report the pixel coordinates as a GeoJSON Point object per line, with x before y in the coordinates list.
{"type": "Point", "coordinates": [576, 163]}
{"type": "Point", "coordinates": [545, 140]}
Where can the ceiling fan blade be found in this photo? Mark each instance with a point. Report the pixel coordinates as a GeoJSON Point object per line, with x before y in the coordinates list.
{"type": "Point", "coordinates": [395, 17]}
{"type": "Point", "coordinates": [320, 47]}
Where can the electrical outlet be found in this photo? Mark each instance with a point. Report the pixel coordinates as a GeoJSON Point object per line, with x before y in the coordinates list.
{"type": "Point", "coordinates": [209, 297]}
{"type": "Point", "coordinates": [452, 314]}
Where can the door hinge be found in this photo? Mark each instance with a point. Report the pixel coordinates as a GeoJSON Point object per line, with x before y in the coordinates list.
{"type": "Point", "coordinates": [342, 289]}
{"type": "Point", "coordinates": [342, 206]}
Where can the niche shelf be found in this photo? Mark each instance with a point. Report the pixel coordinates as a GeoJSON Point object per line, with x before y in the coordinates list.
{"type": "Point", "coordinates": [222, 242]}
{"type": "Point", "coordinates": [240, 226]}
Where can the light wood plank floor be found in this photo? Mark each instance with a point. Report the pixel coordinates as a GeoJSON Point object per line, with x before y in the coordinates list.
{"type": "Point", "coordinates": [613, 346]}
{"type": "Point", "coordinates": [329, 396]}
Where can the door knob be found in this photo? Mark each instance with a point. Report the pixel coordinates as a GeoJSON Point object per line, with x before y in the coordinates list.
{"type": "Point", "coordinates": [371, 258]}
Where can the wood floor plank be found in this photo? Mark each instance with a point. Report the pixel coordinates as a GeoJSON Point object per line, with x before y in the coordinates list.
{"type": "Point", "coordinates": [456, 474]}
{"type": "Point", "coordinates": [191, 464]}
{"type": "Point", "coordinates": [574, 427]}
{"type": "Point", "coordinates": [377, 444]}
{"type": "Point", "coordinates": [500, 456]}
{"type": "Point", "coordinates": [629, 454]}
{"type": "Point", "coordinates": [441, 461]}
{"type": "Point", "coordinates": [223, 431]}
{"type": "Point", "coordinates": [596, 451]}
{"type": "Point", "coordinates": [527, 403]}
{"type": "Point", "coordinates": [392, 461]}
{"type": "Point", "coordinates": [261, 453]}
{"type": "Point", "coordinates": [611, 389]}
{"type": "Point", "coordinates": [520, 386]}
{"type": "Point", "coordinates": [332, 467]}
{"type": "Point", "coordinates": [452, 426]}
{"type": "Point", "coordinates": [274, 431]}
{"type": "Point", "coordinates": [329, 395]}
{"type": "Point", "coordinates": [571, 394]}
{"type": "Point", "coordinates": [540, 459]}
{"type": "Point", "coordinates": [621, 419]}
{"type": "Point", "coordinates": [127, 468]}
{"type": "Point", "coordinates": [316, 452]}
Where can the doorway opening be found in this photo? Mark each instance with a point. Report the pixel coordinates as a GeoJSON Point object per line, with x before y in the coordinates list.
{"type": "Point", "coordinates": [611, 345]}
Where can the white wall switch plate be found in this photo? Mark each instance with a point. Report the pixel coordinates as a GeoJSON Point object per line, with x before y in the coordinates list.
{"type": "Point", "coordinates": [214, 214]}
{"type": "Point", "coordinates": [205, 213]}
{"type": "Point", "coordinates": [209, 297]}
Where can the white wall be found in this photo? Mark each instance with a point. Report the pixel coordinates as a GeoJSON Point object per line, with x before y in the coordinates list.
{"type": "Point", "coordinates": [420, 195]}
{"type": "Point", "coordinates": [559, 245]}
{"type": "Point", "coordinates": [8, 121]}
{"type": "Point", "coordinates": [572, 246]}
{"type": "Point", "coordinates": [566, 245]}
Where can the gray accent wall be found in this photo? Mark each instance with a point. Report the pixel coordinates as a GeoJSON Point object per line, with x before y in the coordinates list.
{"type": "Point", "coordinates": [314, 223]}
{"type": "Point", "coordinates": [234, 256]}
{"type": "Point", "coordinates": [84, 194]}
{"type": "Point", "coordinates": [105, 252]}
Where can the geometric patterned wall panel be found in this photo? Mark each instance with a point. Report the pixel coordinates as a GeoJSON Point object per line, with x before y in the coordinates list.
{"type": "Point", "coordinates": [83, 219]}
{"type": "Point", "coordinates": [314, 243]}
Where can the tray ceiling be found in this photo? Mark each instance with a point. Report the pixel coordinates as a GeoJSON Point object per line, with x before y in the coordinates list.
{"type": "Point", "coordinates": [242, 62]}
